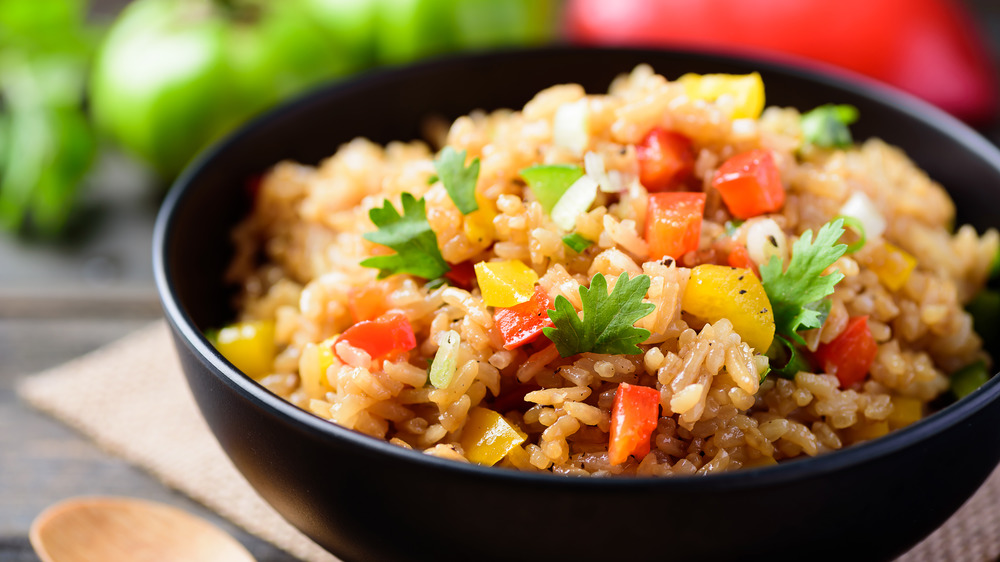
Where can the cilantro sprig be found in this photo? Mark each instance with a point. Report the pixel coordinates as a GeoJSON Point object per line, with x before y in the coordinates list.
{"type": "Point", "coordinates": [798, 293]}
{"type": "Point", "coordinates": [410, 234]}
{"type": "Point", "coordinates": [458, 179]}
{"type": "Point", "coordinates": [607, 322]}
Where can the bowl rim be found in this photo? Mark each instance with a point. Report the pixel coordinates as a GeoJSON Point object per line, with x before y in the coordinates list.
{"type": "Point", "coordinates": [323, 430]}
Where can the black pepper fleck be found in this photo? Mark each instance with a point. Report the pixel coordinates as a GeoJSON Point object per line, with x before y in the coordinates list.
{"type": "Point", "coordinates": [743, 291]}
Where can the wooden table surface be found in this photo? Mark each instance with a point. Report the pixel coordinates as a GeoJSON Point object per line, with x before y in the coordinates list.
{"type": "Point", "coordinates": [57, 303]}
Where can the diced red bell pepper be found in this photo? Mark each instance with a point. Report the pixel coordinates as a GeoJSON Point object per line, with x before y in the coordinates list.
{"type": "Point", "coordinates": [462, 274]}
{"type": "Point", "coordinates": [388, 334]}
{"type": "Point", "coordinates": [850, 355]}
{"type": "Point", "coordinates": [367, 302]}
{"type": "Point", "coordinates": [673, 223]}
{"type": "Point", "coordinates": [666, 159]}
{"type": "Point", "coordinates": [739, 257]}
{"type": "Point", "coordinates": [522, 323]}
{"type": "Point", "coordinates": [750, 184]}
{"type": "Point", "coordinates": [634, 414]}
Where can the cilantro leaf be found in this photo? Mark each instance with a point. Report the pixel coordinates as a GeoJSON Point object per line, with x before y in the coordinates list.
{"type": "Point", "coordinates": [576, 242]}
{"type": "Point", "coordinates": [459, 181]}
{"type": "Point", "coordinates": [826, 126]}
{"type": "Point", "coordinates": [417, 251]}
{"type": "Point", "coordinates": [797, 294]}
{"type": "Point", "coordinates": [607, 323]}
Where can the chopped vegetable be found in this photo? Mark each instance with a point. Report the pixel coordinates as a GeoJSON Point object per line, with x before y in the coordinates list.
{"type": "Point", "coordinates": [458, 179]}
{"type": "Point", "coordinates": [797, 293]}
{"type": "Point", "coordinates": [850, 355]}
{"type": "Point", "coordinates": [894, 270]}
{"type": "Point", "coordinates": [576, 242]}
{"type": "Point", "coordinates": [571, 126]}
{"type": "Point", "coordinates": [249, 346]}
{"type": "Point", "coordinates": [867, 432]}
{"type": "Point", "coordinates": [387, 335]}
{"type": "Point", "coordinates": [750, 184]}
{"type": "Point", "coordinates": [314, 380]}
{"type": "Point", "coordinates": [717, 291]}
{"type": "Point", "coordinates": [985, 311]}
{"type": "Point", "coordinates": [607, 322]}
{"type": "Point", "coordinates": [744, 92]}
{"type": "Point", "coordinates": [634, 414]}
{"type": "Point", "coordinates": [827, 125]}
{"type": "Point", "coordinates": [549, 182]}
{"type": "Point", "coordinates": [785, 359]}
{"type": "Point", "coordinates": [417, 251]}
{"type": "Point", "coordinates": [967, 379]}
{"type": "Point", "coordinates": [462, 274]}
{"type": "Point", "coordinates": [905, 410]}
{"type": "Point", "coordinates": [673, 223]}
{"type": "Point", "coordinates": [740, 257]}
{"type": "Point", "coordinates": [665, 158]}
{"type": "Point", "coordinates": [505, 283]}
{"type": "Point", "coordinates": [523, 323]}
{"type": "Point", "coordinates": [488, 436]}
{"type": "Point", "coordinates": [443, 367]}
{"type": "Point", "coordinates": [478, 225]}
{"type": "Point", "coordinates": [863, 209]}
{"type": "Point", "coordinates": [765, 240]}
{"type": "Point", "coordinates": [859, 229]}
{"type": "Point", "coordinates": [575, 202]}
{"type": "Point", "coordinates": [367, 302]}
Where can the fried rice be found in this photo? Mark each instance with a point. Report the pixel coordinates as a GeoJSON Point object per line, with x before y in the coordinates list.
{"type": "Point", "coordinates": [718, 402]}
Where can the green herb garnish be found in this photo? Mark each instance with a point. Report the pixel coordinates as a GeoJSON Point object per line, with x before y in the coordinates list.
{"type": "Point", "coordinates": [412, 238]}
{"type": "Point", "coordinates": [730, 226]}
{"type": "Point", "coordinates": [827, 125]}
{"type": "Point", "coordinates": [967, 379]}
{"type": "Point", "coordinates": [458, 179]}
{"type": "Point", "coordinates": [607, 323]}
{"type": "Point", "coordinates": [785, 359]}
{"type": "Point", "coordinates": [797, 294]}
{"type": "Point", "coordinates": [576, 242]}
{"type": "Point", "coordinates": [550, 181]}
{"type": "Point", "coordinates": [859, 229]}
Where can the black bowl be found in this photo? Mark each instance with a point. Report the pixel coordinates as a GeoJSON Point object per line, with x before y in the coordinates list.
{"type": "Point", "coordinates": [365, 499]}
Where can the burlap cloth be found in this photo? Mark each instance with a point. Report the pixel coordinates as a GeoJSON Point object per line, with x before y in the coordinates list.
{"type": "Point", "coordinates": [159, 429]}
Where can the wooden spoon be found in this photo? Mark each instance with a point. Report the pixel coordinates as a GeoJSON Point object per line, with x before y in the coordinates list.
{"type": "Point", "coordinates": [116, 529]}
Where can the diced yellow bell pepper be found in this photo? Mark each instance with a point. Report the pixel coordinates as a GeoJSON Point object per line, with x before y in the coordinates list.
{"type": "Point", "coordinates": [717, 291]}
{"type": "Point", "coordinates": [896, 268]}
{"type": "Point", "coordinates": [249, 346]}
{"type": "Point", "coordinates": [488, 436]}
{"type": "Point", "coordinates": [314, 362]}
{"type": "Point", "coordinates": [478, 225]}
{"type": "Point", "coordinates": [905, 410]}
{"type": "Point", "coordinates": [868, 432]}
{"type": "Point", "coordinates": [505, 283]}
{"type": "Point", "coordinates": [746, 90]}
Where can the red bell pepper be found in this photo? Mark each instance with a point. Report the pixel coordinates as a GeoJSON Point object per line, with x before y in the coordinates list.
{"type": "Point", "coordinates": [367, 302]}
{"type": "Point", "coordinates": [673, 223]}
{"type": "Point", "coordinates": [387, 335]}
{"type": "Point", "coordinates": [462, 274]}
{"type": "Point", "coordinates": [750, 184]}
{"type": "Point", "coordinates": [634, 414]}
{"type": "Point", "coordinates": [739, 257]}
{"type": "Point", "coordinates": [930, 48]}
{"type": "Point", "coordinates": [666, 159]}
{"type": "Point", "coordinates": [522, 323]}
{"type": "Point", "coordinates": [850, 355]}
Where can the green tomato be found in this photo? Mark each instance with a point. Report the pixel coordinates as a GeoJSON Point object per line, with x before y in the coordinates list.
{"type": "Point", "coordinates": [173, 76]}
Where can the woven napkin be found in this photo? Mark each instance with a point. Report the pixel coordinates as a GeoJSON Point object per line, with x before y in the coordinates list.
{"type": "Point", "coordinates": [160, 429]}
